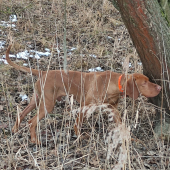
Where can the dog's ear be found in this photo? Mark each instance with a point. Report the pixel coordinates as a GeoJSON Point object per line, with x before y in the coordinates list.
{"type": "Point", "coordinates": [131, 88]}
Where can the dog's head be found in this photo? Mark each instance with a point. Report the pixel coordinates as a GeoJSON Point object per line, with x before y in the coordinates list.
{"type": "Point", "coordinates": [140, 84]}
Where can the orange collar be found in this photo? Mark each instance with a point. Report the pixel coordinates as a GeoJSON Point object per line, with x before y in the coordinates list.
{"type": "Point", "coordinates": [119, 85]}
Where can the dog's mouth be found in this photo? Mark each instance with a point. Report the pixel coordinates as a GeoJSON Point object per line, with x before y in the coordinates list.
{"type": "Point", "coordinates": [152, 93]}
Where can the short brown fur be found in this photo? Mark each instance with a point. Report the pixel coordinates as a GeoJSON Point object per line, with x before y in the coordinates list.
{"type": "Point", "coordinates": [87, 88]}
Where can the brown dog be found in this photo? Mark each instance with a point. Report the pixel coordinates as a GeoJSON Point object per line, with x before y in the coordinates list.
{"type": "Point", "coordinates": [87, 88]}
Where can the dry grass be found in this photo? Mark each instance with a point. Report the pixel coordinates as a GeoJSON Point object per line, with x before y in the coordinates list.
{"type": "Point", "coordinates": [93, 28]}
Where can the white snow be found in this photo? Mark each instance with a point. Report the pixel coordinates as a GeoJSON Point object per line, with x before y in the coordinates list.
{"type": "Point", "coordinates": [95, 69]}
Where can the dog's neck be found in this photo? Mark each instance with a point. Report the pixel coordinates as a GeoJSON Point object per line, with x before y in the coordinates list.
{"type": "Point", "coordinates": [122, 82]}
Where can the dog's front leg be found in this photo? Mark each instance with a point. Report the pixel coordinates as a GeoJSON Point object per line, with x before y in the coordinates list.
{"type": "Point", "coordinates": [79, 121]}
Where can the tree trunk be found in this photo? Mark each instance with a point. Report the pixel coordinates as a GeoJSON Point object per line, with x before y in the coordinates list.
{"type": "Point", "coordinates": [151, 36]}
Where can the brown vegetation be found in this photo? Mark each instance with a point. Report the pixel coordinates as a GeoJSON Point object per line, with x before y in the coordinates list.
{"type": "Point", "coordinates": [93, 29]}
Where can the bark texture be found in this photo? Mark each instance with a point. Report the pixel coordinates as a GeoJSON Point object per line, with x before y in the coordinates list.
{"type": "Point", "coordinates": [151, 36]}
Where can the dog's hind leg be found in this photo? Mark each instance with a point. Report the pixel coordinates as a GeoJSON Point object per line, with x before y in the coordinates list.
{"type": "Point", "coordinates": [32, 105]}
{"type": "Point", "coordinates": [44, 108]}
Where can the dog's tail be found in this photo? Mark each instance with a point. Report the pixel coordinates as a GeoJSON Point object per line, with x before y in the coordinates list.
{"type": "Point", "coordinates": [21, 68]}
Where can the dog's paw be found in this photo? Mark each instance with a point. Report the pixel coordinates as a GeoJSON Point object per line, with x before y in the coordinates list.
{"type": "Point", "coordinates": [34, 138]}
{"type": "Point", "coordinates": [35, 141]}
{"type": "Point", "coordinates": [14, 129]}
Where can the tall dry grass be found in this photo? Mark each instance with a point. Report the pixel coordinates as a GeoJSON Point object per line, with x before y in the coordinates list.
{"type": "Point", "coordinates": [93, 28]}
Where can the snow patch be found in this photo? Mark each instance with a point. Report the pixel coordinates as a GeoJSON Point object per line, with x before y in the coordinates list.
{"type": "Point", "coordinates": [2, 43]}
{"type": "Point", "coordinates": [95, 69]}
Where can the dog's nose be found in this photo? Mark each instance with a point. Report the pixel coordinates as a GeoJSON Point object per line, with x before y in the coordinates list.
{"type": "Point", "coordinates": [159, 88]}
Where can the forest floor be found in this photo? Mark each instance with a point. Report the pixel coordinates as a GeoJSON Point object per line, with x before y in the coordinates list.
{"type": "Point", "coordinates": [96, 39]}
